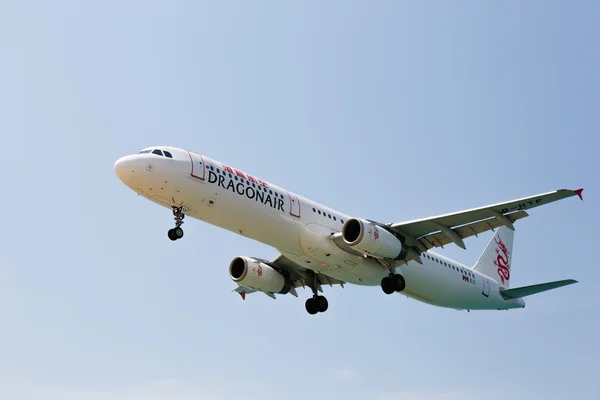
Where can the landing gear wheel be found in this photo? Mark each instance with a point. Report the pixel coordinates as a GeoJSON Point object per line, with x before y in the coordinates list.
{"type": "Point", "coordinates": [311, 306]}
{"type": "Point", "coordinates": [178, 232]}
{"type": "Point", "coordinates": [393, 283]}
{"type": "Point", "coordinates": [316, 304]}
{"type": "Point", "coordinates": [322, 303]}
{"type": "Point", "coordinates": [387, 285]}
{"type": "Point", "coordinates": [399, 282]}
{"type": "Point", "coordinates": [171, 234]}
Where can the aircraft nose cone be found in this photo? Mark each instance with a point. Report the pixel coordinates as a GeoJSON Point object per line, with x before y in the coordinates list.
{"type": "Point", "coordinates": [125, 168]}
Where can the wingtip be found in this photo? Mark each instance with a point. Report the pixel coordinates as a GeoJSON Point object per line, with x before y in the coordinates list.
{"type": "Point", "coordinates": [578, 192]}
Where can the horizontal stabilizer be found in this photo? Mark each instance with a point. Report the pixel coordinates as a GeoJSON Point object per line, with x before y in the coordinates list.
{"type": "Point", "coordinates": [534, 289]}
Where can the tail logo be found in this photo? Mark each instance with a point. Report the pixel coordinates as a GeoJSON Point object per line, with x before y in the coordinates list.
{"type": "Point", "coordinates": [501, 260]}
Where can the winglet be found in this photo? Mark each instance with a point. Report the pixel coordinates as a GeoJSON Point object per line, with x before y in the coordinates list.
{"type": "Point", "coordinates": [578, 192]}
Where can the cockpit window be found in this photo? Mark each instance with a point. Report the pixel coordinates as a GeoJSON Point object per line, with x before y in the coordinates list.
{"type": "Point", "coordinates": [157, 151]}
{"type": "Point", "coordinates": [167, 154]}
{"type": "Point", "coordinates": [145, 151]}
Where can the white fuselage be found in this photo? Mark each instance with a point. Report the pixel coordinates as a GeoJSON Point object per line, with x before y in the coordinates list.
{"type": "Point", "coordinates": [297, 227]}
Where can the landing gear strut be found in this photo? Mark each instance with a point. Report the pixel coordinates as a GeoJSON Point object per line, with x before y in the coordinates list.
{"type": "Point", "coordinates": [393, 283]}
{"type": "Point", "coordinates": [177, 232]}
{"type": "Point", "coordinates": [317, 303]}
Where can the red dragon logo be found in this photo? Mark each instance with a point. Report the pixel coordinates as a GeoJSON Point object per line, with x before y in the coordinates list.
{"type": "Point", "coordinates": [376, 234]}
{"type": "Point", "coordinates": [258, 270]}
{"type": "Point", "coordinates": [501, 261]}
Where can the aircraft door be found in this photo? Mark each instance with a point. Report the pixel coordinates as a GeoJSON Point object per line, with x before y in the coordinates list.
{"type": "Point", "coordinates": [486, 288]}
{"type": "Point", "coordinates": [294, 204]}
{"type": "Point", "coordinates": [198, 167]}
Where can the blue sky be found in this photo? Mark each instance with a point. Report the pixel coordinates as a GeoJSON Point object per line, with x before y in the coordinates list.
{"type": "Point", "coordinates": [386, 110]}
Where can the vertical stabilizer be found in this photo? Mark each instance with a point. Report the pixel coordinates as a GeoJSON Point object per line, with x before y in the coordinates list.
{"type": "Point", "coordinates": [495, 261]}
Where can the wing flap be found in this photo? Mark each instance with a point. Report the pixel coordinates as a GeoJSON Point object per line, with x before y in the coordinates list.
{"type": "Point", "coordinates": [440, 238]}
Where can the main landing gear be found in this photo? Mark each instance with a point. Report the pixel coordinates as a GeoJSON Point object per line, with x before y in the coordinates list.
{"type": "Point", "coordinates": [393, 283]}
{"type": "Point", "coordinates": [177, 232]}
{"type": "Point", "coordinates": [317, 303]}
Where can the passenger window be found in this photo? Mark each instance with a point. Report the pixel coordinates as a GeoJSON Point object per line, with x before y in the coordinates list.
{"type": "Point", "coordinates": [157, 152]}
{"type": "Point", "coordinates": [168, 154]}
{"type": "Point", "coordinates": [319, 212]}
{"type": "Point", "coordinates": [342, 221]}
{"type": "Point", "coordinates": [218, 171]}
{"type": "Point", "coordinates": [334, 218]}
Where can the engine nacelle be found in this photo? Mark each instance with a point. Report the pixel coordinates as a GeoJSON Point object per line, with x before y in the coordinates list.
{"type": "Point", "coordinates": [257, 275]}
{"type": "Point", "coordinates": [372, 239]}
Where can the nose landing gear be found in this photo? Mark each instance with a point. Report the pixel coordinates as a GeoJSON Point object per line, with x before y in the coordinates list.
{"type": "Point", "coordinates": [177, 232]}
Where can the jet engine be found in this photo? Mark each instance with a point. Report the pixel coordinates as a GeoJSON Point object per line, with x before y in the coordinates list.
{"type": "Point", "coordinates": [247, 271]}
{"type": "Point", "coordinates": [372, 239]}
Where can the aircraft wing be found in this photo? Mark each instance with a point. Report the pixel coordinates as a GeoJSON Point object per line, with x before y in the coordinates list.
{"type": "Point", "coordinates": [299, 275]}
{"type": "Point", "coordinates": [424, 234]}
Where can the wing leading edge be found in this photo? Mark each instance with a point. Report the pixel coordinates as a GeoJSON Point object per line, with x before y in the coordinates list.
{"type": "Point", "coordinates": [438, 231]}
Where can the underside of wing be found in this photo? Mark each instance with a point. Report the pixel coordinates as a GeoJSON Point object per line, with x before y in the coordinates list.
{"type": "Point", "coordinates": [427, 233]}
{"type": "Point", "coordinates": [441, 238]}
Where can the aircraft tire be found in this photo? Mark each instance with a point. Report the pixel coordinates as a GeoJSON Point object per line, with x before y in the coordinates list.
{"type": "Point", "coordinates": [322, 303]}
{"type": "Point", "coordinates": [387, 285]}
{"type": "Point", "coordinates": [311, 306]}
{"type": "Point", "coordinates": [178, 233]}
{"type": "Point", "coordinates": [171, 234]}
{"type": "Point", "coordinates": [399, 282]}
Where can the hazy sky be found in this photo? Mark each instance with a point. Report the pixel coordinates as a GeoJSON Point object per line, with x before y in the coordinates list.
{"type": "Point", "coordinates": [385, 110]}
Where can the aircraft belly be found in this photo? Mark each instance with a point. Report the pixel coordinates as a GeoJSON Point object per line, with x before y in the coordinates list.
{"type": "Point", "coordinates": [444, 288]}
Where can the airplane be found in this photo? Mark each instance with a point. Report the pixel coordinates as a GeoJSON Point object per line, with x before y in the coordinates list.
{"type": "Point", "coordinates": [320, 246]}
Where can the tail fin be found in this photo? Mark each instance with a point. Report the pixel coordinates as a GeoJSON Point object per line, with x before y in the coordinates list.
{"type": "Point", "coordinates": [496, 259]}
